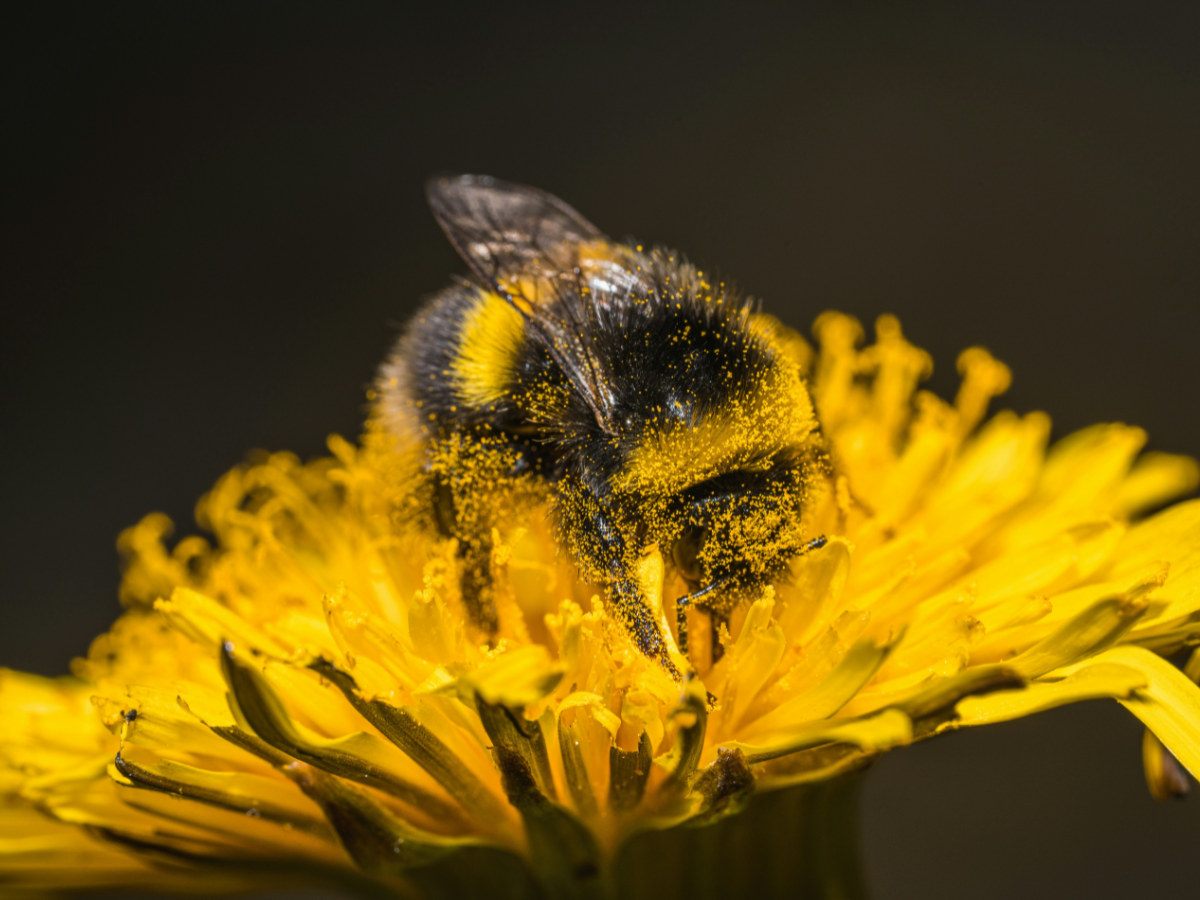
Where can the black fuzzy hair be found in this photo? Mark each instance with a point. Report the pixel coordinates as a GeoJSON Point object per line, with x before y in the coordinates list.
{"type": "Point", "coordinates": [681, 350]}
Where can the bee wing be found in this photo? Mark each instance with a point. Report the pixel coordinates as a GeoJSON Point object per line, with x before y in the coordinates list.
{"type": "Point", "coordinates": [509, 233]}
{"type": "Point", "coordinates": [553, 265]}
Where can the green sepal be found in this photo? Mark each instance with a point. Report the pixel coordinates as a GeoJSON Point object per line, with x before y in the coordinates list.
{"type": "Point", "coordinates": [376, 840]}
{"type": "Point", "coordinates": [565, 856]}
{"type": "Point", "coordinates": [258, 705]}
{"type": "Point", "coordinates": [575, 771]}
{"type": "Point", "coordinates": [513, 734]}
{"type": "Point", "coordinates": [563, 850]}
{"type": "Point", "coordinates": [179, 780]}
{"type": "Point", "coordinates": [565, 860]}
{"type": "Point", "coordinates": [689, 740]}
{"type": "Point", "coordinates": [629, 770]}
{"type": "Point", "coordinates": [421, 745]}
{"type": "Point", "coordinates": [725, 785]}
{"type": "Point", "coordinates": [252, 744]}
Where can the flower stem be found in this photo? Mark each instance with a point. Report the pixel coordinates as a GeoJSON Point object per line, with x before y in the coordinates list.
{"type": "Point", "coordinates": [801, 843]}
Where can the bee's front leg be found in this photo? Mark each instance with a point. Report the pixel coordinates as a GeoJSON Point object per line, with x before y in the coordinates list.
{"type": "Point", "coordinates": [630, 607]}
{"type": "Point", "coordinates": [684, 603]}
{"type": "Point", "coordinates": [476, 583]}
{"type": "Point", "coordinates": [601, 547]}
{"type": "Point", "coordinates": [697, 598]}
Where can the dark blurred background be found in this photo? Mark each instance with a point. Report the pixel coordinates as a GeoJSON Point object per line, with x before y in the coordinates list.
{"type": "Point", "coordinates": [213, 223]}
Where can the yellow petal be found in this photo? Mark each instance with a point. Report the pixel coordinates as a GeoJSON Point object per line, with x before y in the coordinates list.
{"type": "Point", "coordinates": [889, 728]}
{"type": "Point", "coordinates": [1169, 705]}
{"type": "Point", "coordinates": [640, 711]}
{"type": "Point", "coordinates": [1089, 465]}
{"type": "Point", "coordinates": [209, 622]}
{"type": "Point", "coordinates": [1088, 682]}
{"type": "Point", "coordinates": [594, 704]}
{"type": "Point", "coordinates": [826, 698]}
{"type": "Point", "coordinates": [751, 660]}
{"type": "Point", "coordinates": [814, 588]}
{"type": "Point", "coordinates": [1155, 479]}
{"type": "Point", "coordinates": [516, 679]}
{"type": "Point", "coordinates": [1169, 535]}
{"type": "Point", "coordinates": [1092, 631]}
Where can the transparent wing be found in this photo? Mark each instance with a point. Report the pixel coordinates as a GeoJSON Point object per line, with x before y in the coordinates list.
{"type": "Point", "coordinates": [549, 262]}
{"type": "Point", "coordinates": [512, 236]}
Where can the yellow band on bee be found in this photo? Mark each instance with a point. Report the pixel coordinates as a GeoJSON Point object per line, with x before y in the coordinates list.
{"type": "Point", "coordinates": [490, 340]}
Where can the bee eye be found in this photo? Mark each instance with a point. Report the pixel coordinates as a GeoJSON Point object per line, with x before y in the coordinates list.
{"type": "Point", "coordinates": [686, 552]}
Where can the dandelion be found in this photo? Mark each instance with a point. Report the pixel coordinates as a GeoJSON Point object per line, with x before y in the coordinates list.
{"type": "Point", "coordinates": [304, 699]}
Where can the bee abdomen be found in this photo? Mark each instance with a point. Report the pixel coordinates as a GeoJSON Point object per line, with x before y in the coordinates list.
{"type": "Point", "coordinates": [454, 367]}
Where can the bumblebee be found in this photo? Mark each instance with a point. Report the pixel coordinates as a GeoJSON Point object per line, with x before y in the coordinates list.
{"type": "Point", "coordinates": [651, 406]}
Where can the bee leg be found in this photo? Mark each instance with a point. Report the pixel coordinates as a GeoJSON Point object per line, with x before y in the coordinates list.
{"type": "Point", "coordinates": [475, 582]}
{"type": "Point", "coordinates": [635, 615]}
{"type": "Point", "coordinates": [688, 600]}
{"type": "Point", "coordinates": [444, 514]}
{"type": "Point", "coordinates": [590, 531]}
{"type": "Point", "coordinates": [474, 559]}
{"type": "Point", "coordinates": [684, 603]}
{"type": "Point", "coordinates": [815, 544]}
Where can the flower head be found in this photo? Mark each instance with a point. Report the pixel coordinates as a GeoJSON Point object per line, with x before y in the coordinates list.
{"type": "Point", "coordinates": [304, 696]}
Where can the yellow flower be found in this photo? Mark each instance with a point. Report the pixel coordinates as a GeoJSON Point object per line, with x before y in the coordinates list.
{"type": "Point", "coordinates": [304, 699]}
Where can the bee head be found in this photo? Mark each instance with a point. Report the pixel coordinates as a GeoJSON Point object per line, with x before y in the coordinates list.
{"type": "Point", "coordinates": [716, 438]}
